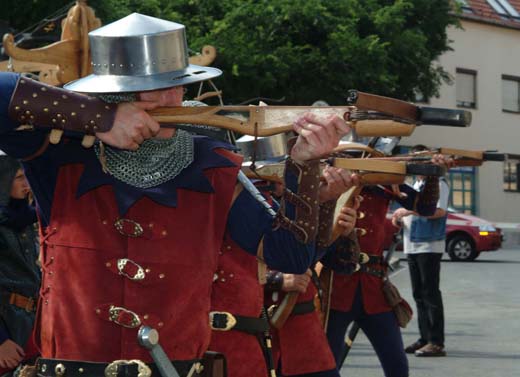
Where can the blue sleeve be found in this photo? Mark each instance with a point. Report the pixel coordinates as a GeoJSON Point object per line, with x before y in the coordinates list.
{"type": "Point", "coordinates": [3, 336]}
{"type": "Point", "coordinates": [249, 221]}
{"type": "Point", "coordinates": [17, 144]}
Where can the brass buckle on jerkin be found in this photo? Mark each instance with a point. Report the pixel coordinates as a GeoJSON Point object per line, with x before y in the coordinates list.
{"type": "Point", "coordinates": [121, 264]}
{"type": "Point", "coordinates": [143, 370]}
{"type": "Point", "coordinates": [364, 258]}
{"type": "Point", "coordinates": [222, 321]}
{"type": "Point", "coordinates": [114, 315]}
{"type": "Point", "coordinates": [137, 229]}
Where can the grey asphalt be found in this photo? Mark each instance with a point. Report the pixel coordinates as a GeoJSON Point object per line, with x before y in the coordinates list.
{"type": "Point", "coordinates": [482, 314]}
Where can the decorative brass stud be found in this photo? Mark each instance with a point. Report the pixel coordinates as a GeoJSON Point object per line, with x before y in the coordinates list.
{"type": "Point", "coordinates": [35, 95]}
{"type": "Point", "coordinates": [161, 276]}
{"type": "Point", "coordinates": [45, 110]}
{"type": "Point", "coordinates": [53, 120]}
{"type": "Point", "coordinates": [73, 114]}
{"type": "Point", "coordinates": [27, 112]}
{"type": "Point", "coordinates": [164, 233]}
{"type": "Point", "coordinates": [147, 270]}
{"type": "Point", "coordinates": [22, 117]}
{"type": "Point", "coordinates": [43, 89]}
{"type": "Point", "coordinates": [107, 107]}
{"type": "Point", "coordinates": [108, 264]}
{"type": "Point", "coordinates": [160, 324]}
{"type": "Point", "coordinates": [146, 316]}
{"type": "Point", "coordinates": [59, 115]}
{"type": "Point", "coordinates": [81, 370]}
{"type": "Point", "coordinates": [22, 81]}
{"type": "Point", "coordinates": [98, 116]}
{"type": "Point", "coordinates": [64, 121]}
{"type": "Point", "coordinates": [60, 370]}
{"type": "Point", "coordinates": [64, 96]}
{"type": "Point", "coordinates": [17, 107]}
{"type": "Point", "coordinates": [55, 103]}
{"type": "Point", "coordinates": [92, 122]}
{"type": "Point", "coordinates": [98, 311]}
{"type": "Point", "coordinates": [82, 106]}
{"type": "Point", "coordinates": [25, 102]}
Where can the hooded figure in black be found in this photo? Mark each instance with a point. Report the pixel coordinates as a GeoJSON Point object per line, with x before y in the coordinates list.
{"type": "Point", "coordinates": [19, 272]}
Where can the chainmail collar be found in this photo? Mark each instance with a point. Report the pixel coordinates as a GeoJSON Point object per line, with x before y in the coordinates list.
{"type": "Point", "coordinates": [155, 162]}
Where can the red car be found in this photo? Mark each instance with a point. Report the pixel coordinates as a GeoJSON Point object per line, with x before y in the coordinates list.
{"type": "Point", "coordinates": [466, 236]}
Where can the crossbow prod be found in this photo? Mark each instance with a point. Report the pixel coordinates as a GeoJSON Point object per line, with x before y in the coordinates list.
{"type": "Point", "coordinates": [368, 115]}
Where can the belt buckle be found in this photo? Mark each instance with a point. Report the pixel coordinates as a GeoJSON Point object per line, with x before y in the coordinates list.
{"type": "Point", "coordinates": [226, 321]}
{"type": "Point", "coordinates": [364, 258]}
{"type": "Point", "coordinates": [143, 370]}
{"type": "Point", "coordinates": [137, 230]}
{"type": "Point", "coordinates": [29, 305]}
{"type": "Point", "coordinates": [121, 264]}
{"type": "Point", "coordinates": [114, 313]}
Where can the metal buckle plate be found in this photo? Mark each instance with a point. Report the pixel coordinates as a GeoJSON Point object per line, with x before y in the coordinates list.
{"type": "Point", "coordinates": [121, 264]}
{"type": "Point", "coordinates": [143, 370]}
{"type": "Point", "coordinates": [222, 321]}
{"type": "Point", "coordinates": [137, 228]}
{"type": "Point", "coordinates": [363, 258]}
{"type": "Point", "coordinates": [114, 313]}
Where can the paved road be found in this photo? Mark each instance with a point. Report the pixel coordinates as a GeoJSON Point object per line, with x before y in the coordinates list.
{"type": "Point", "coordinates": [482, 310]}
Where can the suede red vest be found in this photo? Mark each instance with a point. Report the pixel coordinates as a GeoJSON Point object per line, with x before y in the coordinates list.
{"type": "Point", "coordinates": [301, 344]}
{"type": "Point", "coordinates": [82, 250]}
{"type": "Point", "coordinates": [344, 287]}
{"type": "Point", "coordinates": [236, 290]}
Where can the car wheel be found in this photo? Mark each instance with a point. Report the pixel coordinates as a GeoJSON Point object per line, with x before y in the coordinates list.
{"type": "Point", "coordinates": [461, 248]}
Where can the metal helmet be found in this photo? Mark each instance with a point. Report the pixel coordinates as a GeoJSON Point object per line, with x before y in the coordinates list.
{"type": "Point", "coordinates": [139, 53]}
{"type": "Point", "coordinates": [268, 149]}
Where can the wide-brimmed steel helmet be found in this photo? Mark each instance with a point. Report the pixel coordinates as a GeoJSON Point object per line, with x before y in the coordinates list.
{"type": "Point", "coordinates": [140, 53]}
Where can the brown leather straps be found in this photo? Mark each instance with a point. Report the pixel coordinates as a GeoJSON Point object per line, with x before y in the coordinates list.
{"type": "Point", "coordinates": [303, 202]}
{"type": "Point", "coordinates": [40, 105]}
{"type": "Point", "coordinates": [26, 303]}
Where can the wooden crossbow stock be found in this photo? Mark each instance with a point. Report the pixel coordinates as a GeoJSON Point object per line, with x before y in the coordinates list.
{"type": "Point", "coordinates": [367, 114]}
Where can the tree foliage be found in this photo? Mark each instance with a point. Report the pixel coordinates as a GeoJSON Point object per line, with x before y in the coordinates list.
{"type": "Point", "coordinates": [306, 50]}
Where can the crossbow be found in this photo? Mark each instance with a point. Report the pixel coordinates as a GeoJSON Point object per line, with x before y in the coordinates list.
{"type": "Point", "coordinates": [368, 115]}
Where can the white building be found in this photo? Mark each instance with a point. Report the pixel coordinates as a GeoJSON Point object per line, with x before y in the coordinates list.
{"type": "Point", "coordinates": [485, 66]}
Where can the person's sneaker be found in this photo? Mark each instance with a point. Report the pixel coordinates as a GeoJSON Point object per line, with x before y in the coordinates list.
{"type": "Point", "coordinates": [430, 350]}
{"type": "Point", "coordinates": [414, 347]}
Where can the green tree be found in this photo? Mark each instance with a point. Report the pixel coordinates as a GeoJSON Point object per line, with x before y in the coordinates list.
{"type": "Point", "coordinates": [306, 50]}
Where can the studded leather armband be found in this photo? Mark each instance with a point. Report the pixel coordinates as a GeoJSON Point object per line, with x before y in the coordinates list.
{"type": "Point", "coordinates": [299, 206]}
{"type": "Point", "coordinates": [325, 223]}
{"type": "Point", "coordinates": [274, 281]}
{"type": "Point", "coordinates": [40, 105]}
{"type": "Point", "coordinates": [428, 197]}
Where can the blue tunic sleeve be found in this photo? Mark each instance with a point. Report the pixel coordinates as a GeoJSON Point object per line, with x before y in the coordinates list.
{"type": "Point", "coordinates": [249, 221]}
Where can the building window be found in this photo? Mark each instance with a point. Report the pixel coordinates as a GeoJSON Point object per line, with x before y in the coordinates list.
{"type": "Point", "coordinates": [463, 191]}
{"type": "Point", "coordinates": [510, 93]}
{"type": "Point", "coordinates": [466, 87]}
{"type": "Point", "coordinates": [511, 168]}
{"type": "Point", "coordinates": [466, 8]}
{"type": "Point", "coordinates": [504, 9]}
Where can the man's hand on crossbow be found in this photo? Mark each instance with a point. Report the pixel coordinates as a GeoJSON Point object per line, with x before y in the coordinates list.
{"type": "Point", "coordinates": [336, 182]}
{"type": "Point", "coordinates": [132, 125]}
{"type": "Point", "coordinates": [317, 136]}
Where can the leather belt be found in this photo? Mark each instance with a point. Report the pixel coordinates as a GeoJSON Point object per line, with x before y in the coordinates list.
{"type": "Point", "coordinates": [303, 308]}
{"type": "Point", "coordinates": [119, 368]}
{"type": "Point", "coordinates": [224, 321]}
{"type": "Point", "coordinates": [372, 271]}
{"type": "Point", "coordinates": [20, 301]}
